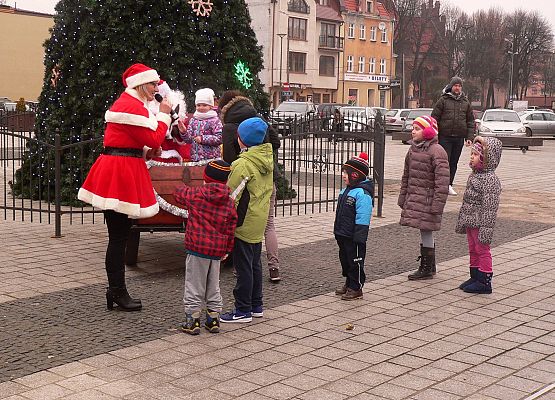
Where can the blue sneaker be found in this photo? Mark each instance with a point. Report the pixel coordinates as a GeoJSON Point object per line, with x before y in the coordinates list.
{"type": "Point", "coordinates": [236, 316]}
{"type": "Point", "coordinates": [257, 312]}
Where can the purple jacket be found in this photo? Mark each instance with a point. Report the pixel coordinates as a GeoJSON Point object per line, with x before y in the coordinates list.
{"type": "Point", "coordinates": [211, 132]}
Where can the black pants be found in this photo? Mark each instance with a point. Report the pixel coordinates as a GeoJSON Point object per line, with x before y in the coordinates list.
{"type": "Point", "coordinates": [453, 147]}
{"type": "Point", "coordinates": [351, 256]}
{"type": "Point", "coordinates": [248, 289]}
{"type": "Point", "coordinates": [119, 226]}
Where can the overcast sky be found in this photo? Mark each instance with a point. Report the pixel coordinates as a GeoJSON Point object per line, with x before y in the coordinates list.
{"type": "Point", "coordinates": [545, 7]}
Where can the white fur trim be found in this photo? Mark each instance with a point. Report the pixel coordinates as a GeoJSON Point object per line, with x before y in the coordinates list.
{"type": "Point", "coordinates": [171, 154]}
{"type": "Point", "coordinates": [133, 119]}
{"type": "Point", "coordinates": [165, 118]}
{"type": "Point", "coordinates": [142, 77]}
{"type": "Point", "coordinates": [132, 210]}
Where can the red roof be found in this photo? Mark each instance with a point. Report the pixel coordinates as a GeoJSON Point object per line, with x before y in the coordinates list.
{"type": "Point", "coordinates": [382, 11]}
{"type": "Point", "coordinates": [351, 5]}
{"type": "Point", "coordinates": [327, 13]}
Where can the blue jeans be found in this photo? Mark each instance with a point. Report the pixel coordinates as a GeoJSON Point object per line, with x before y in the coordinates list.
{"type": "Point", "coordinates": [453, 147]}
{"type": "Point", "coordinates": [248, 289]}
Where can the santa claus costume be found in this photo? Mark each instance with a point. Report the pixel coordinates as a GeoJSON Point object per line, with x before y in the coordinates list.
{"type": "Point", "coordinates": [119, 182]}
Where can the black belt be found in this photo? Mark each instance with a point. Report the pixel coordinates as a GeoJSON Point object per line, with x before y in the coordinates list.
{"type": "Point", "coordinates": [120, 151]}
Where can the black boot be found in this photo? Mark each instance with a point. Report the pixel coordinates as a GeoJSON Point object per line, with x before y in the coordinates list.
{"type": "Point", "coordinates": [473, 277]}
{"type": "Point", "coordinates": [120, 296]}
{"type": "Point", "coordinates": [117, 293]}
{"type": "Point", "coordinates": [425, 269]}
{"type": "Point", "coordinates": [434, 269]}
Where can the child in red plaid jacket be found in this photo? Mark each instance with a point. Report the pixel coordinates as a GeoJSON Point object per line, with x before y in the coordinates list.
{"type": "Point", "coordinates": [208, 239]}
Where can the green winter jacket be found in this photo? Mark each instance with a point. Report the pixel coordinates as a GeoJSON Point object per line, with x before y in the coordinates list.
{"type": "Point", "coordinates": [251, 183]}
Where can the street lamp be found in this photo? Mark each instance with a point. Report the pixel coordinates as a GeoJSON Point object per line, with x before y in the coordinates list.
{"type": "Point", "coordinates": [512, 53]}
{"type": "Point", "coordinates": [281, 36]}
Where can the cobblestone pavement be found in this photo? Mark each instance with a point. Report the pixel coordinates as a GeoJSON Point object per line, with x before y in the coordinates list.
{"type": "Point", "coordinates": [56, 328]}
{"type": "Point", "coordinates": [411, 340]}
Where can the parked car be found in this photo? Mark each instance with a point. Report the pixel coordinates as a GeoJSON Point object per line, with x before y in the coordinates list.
{"type": "Point", "coordinates": [381, 110]}
{"type": "Point", "coordinates": [285, 115]}
{"type": "Point", "coordinates": [395, 119]}
{"type": "Point", "coordinates": [412, 115]}
{"type": "Point", "coordinates": [538, 123]}
{"type": "Point", "coordinates": [325, 112]}
{"type": "Point", "coordinates": [356, 119]}
{"type": "Point", "coordinates": [501, 122]}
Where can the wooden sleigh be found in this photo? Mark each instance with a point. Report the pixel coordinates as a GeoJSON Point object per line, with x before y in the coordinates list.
{"type": "Point", "coordinates": [165, 179]}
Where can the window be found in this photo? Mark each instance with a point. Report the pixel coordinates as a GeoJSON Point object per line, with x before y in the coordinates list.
{"type": "Point", "coordinates": [371, 97]}
{"type": "Point", "coordinates": [361, 64]}
{"type": "Point", "coordinates": [353, 96]}
{"type": "Point", "coordinates": [548, 116]}
{"type": "Point", "coordinates": [297, 28]}
{"type": "Point", "coordinates": [373, 33]}
{"type": "Point", "coordinates": [349, 63]}
{"type": "Point", "coordinates": [316, 98]}
{"type": "Point", "coordinates": [351, 31]}
{"type": "Point", "coordinates": [327, 66]}
{"type": "Point", "coordinates": [382, 66]}
{"type": "Point", "coordinates": [372, 65]}
{"type": "Point", "coordinates": [326, 98]}
{"type": "Point", "coordinates": [384, 36]}
{"type": "Point", "coordinates": [369, 7]}
{"type": "Point", "coordinates": [297, 62]}
{"type": "Point", "coordinates": [325, 2]}
{"type": "Point", "coordinates": [363, 32]}
{"type": "Point", "coordinates": [299, 6]}
{"type": "Point", "coordinates": [327, 29]}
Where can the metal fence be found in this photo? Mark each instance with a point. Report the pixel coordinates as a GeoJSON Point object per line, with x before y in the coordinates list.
{"type": "Point", "coordinates": [40, 178]}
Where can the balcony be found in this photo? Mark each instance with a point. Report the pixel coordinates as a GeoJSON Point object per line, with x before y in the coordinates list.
{"type": "Point", "coordinates": [331, 43]}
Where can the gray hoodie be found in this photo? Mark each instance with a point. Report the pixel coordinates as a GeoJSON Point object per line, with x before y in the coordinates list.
{"type": "Point", "coordinates": [483, 190]}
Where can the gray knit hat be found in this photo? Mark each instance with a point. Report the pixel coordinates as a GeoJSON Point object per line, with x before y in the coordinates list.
{"type": "Point", "coordinates": [456, 81]}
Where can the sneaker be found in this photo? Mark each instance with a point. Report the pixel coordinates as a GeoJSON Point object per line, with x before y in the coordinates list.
{"type": "Point", "coordinates": [257, 312]}
{"type": "Point", "coordinates": [352, 294]}
{"type": "Point", "coordinates": [236, 316]}
{"type": "Point", "coordinates": [452, 191]}
{"type": "Point", "coordinates": [274, 275]}
{"type": "Point", "coordinates": [212, 323]}
{"type": "Point", "coordinates": [191, 324]}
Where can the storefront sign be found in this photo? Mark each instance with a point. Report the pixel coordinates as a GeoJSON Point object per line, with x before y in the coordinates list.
{"type": "Point", "coordinates": [367, 78]}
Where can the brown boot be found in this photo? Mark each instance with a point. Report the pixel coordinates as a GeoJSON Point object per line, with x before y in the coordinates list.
{"type": "Point", "coordinates": [274, 275]}
{"type": "Point", "coordinates": [427, 256]}
{"type": "Point", "coordinates": [341, 290]}
{"type": "Point", "coordinates": [351, 294]}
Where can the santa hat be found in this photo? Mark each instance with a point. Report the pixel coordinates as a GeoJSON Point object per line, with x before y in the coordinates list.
{"type": "Point", "coordinates": [216, 171]}
{"type": "Point", "coordinates": [163, 88]}
{"type": "Point", "coordinates": [139, 74]}
{"type": "Point", "coordinates": [204, 96]}
{"type": "Point", "coordinates": [357, 168]}
{"type": "Point", "coordinates": [428, 125]}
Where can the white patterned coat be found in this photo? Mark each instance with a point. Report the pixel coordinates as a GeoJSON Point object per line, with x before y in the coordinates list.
{"type": "Point", "coordinates": [483, 190]}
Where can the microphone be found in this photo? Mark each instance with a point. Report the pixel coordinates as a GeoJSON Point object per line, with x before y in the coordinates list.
{"type": "Point", "coordinates": [173, 114]}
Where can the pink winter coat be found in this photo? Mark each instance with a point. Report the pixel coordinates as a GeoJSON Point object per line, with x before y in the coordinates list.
{"type": "Point", "coordinates": [424, 186]}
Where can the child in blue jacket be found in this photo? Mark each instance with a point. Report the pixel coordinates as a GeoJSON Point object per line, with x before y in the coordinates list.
{"type": "Point", "coordinates": [352, 221]}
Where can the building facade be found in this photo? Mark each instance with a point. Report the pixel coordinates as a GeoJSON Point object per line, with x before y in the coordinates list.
{"type": "Point", "coordinates": [301, 42]}
{"type": "Point", "coordinates": [21, 52]}
{"type": "Point", "coordinates": [368, 61]}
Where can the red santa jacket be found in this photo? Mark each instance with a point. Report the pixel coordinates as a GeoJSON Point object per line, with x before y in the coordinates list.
{"type": "Point", "coordinates": [122, 183]}
{"type": "Point", "coordinates": [212, 219]}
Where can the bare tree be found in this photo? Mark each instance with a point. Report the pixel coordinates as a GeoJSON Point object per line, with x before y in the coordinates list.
{"type": "Point", "coordinates": [531, 37]}
{"type": "Point", "coordinates": [457, 24]}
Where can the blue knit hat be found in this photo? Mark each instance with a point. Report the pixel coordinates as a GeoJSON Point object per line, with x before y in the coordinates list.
{"type": "Point", "coordinates": [252, 131]}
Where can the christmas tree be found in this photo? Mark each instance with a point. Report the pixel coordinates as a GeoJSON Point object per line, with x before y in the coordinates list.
{"type": "Point", "coordinates": [192, 44]}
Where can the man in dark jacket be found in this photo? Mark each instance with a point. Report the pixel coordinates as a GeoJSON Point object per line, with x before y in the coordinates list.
{"type": "Point", "coordinates": [453, 113]}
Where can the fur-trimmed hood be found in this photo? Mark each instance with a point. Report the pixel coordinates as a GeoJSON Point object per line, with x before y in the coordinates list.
{"type": "Point", "coordinates": [237, 110]}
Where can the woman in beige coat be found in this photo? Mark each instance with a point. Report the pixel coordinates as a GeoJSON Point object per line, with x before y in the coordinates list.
{"type": "Point", "coordinates": [424, 189]}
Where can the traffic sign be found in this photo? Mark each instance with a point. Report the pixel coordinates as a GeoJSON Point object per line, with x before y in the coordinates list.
{"type": "Point", "coordinates": [285, 86]}
{"type": "Point", "coordinates": [395, 83]}
{"type": "Point", "coordinates": [286, 93]}
{"type": "Point", "coordinates": [384, 87]}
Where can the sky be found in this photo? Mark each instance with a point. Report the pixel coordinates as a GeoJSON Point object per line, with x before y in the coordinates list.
{"type": "Point", "coordinates": [545, 7]}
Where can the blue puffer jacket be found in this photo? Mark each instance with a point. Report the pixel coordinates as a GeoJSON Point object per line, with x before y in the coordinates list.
{"type": "Point", "coordinates": [354, 210]}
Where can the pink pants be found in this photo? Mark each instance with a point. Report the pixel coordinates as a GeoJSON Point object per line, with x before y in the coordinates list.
{"type": "Point", "coordinates": [480, 254]}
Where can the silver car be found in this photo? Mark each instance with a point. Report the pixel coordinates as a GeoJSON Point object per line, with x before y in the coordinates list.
{"type": "Point", "coordinates": [413, 114]}
{"type": "Point", "coordinates": [500, 122]}
{"type": "Point", "coordinates": [395, 119]}
{"type": "Point", "coordinates": [538, 123]}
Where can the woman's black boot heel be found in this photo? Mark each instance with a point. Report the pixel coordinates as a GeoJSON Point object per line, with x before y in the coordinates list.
{"type": "Point", "coordinates": [120, 296]}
